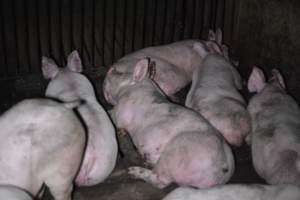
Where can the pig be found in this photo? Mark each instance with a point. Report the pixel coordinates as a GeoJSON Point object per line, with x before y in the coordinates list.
{"type": "Point", "coordinates": [174, 62]}
{"type": "Point", "coordinates": [237, 192]}
{"type": "Point", "coordinates": [42, 142]}
{"type": "Point", "coordinates": [214, 94]}
{"type": "Point", "coordinates": [275, 135]}
{"type": "Point", "coordinates": [68, 84]}
{"type": "Point", "coordinates": [177, 143]}
{"type": "Point", "coordinates": [8, 192]}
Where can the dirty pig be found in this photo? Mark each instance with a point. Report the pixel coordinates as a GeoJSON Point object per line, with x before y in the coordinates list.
{"type": "Point", "coordinates": [214, 94]}
{"type": "Point", "coordinates": [42, 142]}
{"type": "Point", "coordinates": [275, 136]}
{"type": "Point", "coordinates": [174, 62]}
{"type": "Point", "coordinates": [68, 84]}
{"type": "Point", "coordinates": [177, 143]}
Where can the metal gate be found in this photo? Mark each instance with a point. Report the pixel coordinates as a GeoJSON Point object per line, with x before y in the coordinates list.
{"type": "Point", "coordinates": [102, 30]}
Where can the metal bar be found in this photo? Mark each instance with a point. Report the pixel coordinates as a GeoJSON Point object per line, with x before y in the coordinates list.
{"type": "Point", "coordinates": [16, 38]}
{"type": "Point", "coordinates": [154, 24]}
{"type": "Point", "coordinates": [93, 34]}
{"type": "Point", "coordinates": [38, 31]}
{"type": "Point", "coordinates": [134, 25]}
{"type": "Point", "coordinates": [163, 21]}
{"type": "Point", "coordinates": [114, 32]}
{"type": "Point", "coordinates": [103, 33]}
{"type": "Point", "coordinates": [124, 31]}
{"type": "Point", "coordinates": [3, 46]}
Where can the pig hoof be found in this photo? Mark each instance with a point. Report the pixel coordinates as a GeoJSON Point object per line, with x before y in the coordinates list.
{"type": "Point", "coordinates": [122, 132]}
{"type": "Point", "coordinates": [136, 172]}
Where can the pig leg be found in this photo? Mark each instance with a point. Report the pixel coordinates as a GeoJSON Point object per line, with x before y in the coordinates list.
{"type": "Point", "coordinates": [149, 176]}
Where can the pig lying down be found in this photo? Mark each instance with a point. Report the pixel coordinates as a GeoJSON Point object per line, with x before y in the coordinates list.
{"type": "Point", "coordinates": [275, 137]}
{"type": "Point", "coordinates": [13, 193]}
{"type": "Point", "coordinates": [69, 84]}
{"type": "Point", "coordinates": [178, 144]}
{"type": "Point", "coordinates": [237, 192]}
{"type": "Point", "coordinates": [214, 94]}
{"type": "Point", "coordinates": [41, 142]}
{"type": "Point", "coordinates": [174, 62]}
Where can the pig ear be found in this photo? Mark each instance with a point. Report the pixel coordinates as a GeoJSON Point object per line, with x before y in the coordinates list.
{"type": "Point", "coordinates": [74, 62]}
{"type": "Point", "coordinates": [214, 47]}
{"type": "Point", "coordinates": [277, 78]}
{"type": "Point", "coordinates": [237, 78]}
{"type": "Point", "coordinates": [219, 36]}
{"type": "Point", "coordinates": [200, 49]}
{"type": "Point", "coordinates": [141, 70]}
{"type": "Point", "coordinates": [256, 80]}
{"type": "Point", "coordinates": [225, 51]}
{"type": "Point", "coordinates": [211, 35]}
{"type": "Point", "coordinates": [49, 68]}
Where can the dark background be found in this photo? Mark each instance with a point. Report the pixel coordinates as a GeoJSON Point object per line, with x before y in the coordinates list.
{"type": "Point", "coordinates": [258, 32]}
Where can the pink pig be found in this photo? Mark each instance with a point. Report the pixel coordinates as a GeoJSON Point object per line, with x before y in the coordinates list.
{"type": "Point", "coordinates": [179, 144]}
{"type": "Point", "coordinates": [275, 136]}
{"type": "Point", "coordinates": [175, 63]}
{"type": "Point", "coordinates": [68, 84]}
{"type": "Point", "coordinates": [41, 143]}
{"type": "Point", "coordinates": [237, 192]}
{"type": "Point", "coordinates": [214, 94]}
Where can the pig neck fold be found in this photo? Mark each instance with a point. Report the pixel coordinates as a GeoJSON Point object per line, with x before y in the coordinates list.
{"type": "Point", "coordinates": [139, 100]}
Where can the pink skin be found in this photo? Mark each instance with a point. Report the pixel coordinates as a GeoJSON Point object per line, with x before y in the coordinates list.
{"type": "Point", "coordinates": [69, 84]}
{"type": "Point", "coordinates": [174, 62]}
{"type": "Point", "coordinates": [214, 94]}
{"type": "Point", "coordinates": [9, 192]}
{"type": "Point", "coordinates": [179, 144]}
{"type": "Point", "coordinates": [275, 138]}
{"type": "Point", "coordinates": [42, 142]}
{"type": "Point", "coordinates": [237, 192]}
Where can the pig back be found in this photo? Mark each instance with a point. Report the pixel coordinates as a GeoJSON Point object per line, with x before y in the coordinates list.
{"type": "Point", "coordinates": [40, 136]}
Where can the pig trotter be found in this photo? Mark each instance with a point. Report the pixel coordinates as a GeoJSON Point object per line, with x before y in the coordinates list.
{"type": "Point", "coordinates": [122, 132]}
{"type": "Point", "coordinates": [147, 175]}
